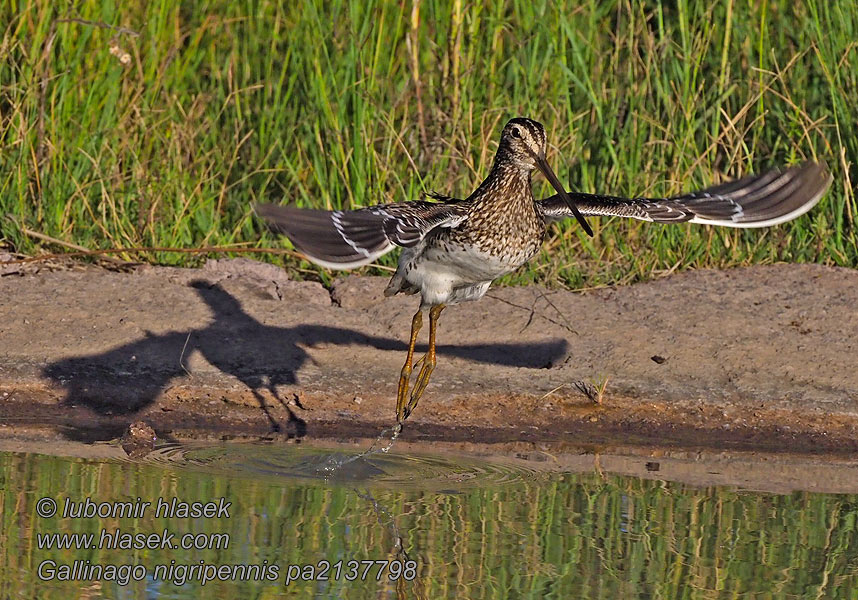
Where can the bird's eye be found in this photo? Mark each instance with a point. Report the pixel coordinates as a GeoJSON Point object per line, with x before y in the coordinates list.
{"type": "Point", "coordinates": [515, 132]}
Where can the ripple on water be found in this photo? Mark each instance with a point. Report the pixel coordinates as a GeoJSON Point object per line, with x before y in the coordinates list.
{"type": "Point", "coordinates": [446, 472]}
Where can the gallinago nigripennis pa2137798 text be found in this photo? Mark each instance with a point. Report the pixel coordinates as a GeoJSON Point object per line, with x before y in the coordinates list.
{"type": "Point", "coordinates": [453, 249]}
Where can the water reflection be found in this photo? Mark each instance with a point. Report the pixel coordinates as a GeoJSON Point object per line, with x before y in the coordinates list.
{"type": "Point", "coordinates": [474, 529]}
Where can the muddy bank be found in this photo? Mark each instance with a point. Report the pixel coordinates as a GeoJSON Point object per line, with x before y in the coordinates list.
{"type": "Point", "coordinates": [779, 472]}
{"type": "Point", "coordinates": [762, 357]}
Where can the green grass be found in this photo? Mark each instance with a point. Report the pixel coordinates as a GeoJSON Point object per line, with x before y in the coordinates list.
{"type": "Point", "coordinates": [355, 103]}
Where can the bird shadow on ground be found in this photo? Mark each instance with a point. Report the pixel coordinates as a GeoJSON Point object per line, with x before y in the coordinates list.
{"type": "Point", "coordinates": [129, 378]}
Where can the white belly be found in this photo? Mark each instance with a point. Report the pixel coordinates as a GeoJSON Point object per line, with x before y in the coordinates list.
{"type": "Point", "coordinates": [449, 277]}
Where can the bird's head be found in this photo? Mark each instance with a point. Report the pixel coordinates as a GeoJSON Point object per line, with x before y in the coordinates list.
{"type": "Point", "coordinates": [523, 143]}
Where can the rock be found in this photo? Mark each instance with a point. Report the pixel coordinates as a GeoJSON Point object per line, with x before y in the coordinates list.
{"type": "Point", "coordinates": [245, 267]}
{"type": "Point", "coordinates": [138, 440]}
{"type": "Point", "coordinates": [354, 291]}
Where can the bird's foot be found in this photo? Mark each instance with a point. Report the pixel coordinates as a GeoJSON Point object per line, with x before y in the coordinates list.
{"type": "Point", "coordinates": [404, 404]}
{"type": "Point", "coordinates": [428, 362]}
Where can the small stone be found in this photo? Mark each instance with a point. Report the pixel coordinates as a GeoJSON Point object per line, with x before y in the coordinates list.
{"type": "Point", "coordinates": [138, 440]}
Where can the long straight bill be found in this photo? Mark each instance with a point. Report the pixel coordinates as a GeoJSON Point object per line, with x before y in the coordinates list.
{"type": "Point", "coordinates": [552, 178]}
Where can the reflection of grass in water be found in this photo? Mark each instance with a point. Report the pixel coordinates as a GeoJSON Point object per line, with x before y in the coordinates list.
{"type": "Point", "coordinates": [234, 102]}
{"type": "Point", "coordinates": [564, 537]}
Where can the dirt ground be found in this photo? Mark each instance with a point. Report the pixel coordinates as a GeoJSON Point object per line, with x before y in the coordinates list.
{"type": "Point", "coordinates": [760, 358]}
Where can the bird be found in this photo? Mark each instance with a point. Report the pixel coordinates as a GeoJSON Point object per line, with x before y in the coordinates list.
{"type": "Point", "coordinates": [453, 249]}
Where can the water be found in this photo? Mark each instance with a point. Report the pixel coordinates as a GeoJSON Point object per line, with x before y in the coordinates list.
{"type": "Point", "coordinates": [473, 529]}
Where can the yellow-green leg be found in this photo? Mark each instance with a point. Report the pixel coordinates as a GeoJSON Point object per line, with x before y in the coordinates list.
{"type": "Point", "coordinates": [405, 374]}
{"type": "Point", "coordinates": [428, 362]}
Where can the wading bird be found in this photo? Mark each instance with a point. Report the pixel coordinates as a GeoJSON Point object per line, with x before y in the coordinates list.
{"type": "Point", "coordinates": [453, 249]}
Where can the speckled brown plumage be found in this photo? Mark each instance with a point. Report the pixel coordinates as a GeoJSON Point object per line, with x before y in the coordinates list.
{"type": "Point", "coordinates": [452, 249]}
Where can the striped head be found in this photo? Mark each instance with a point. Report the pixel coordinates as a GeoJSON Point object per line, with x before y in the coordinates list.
{"type": "Point", "coordinates": [523, 143]}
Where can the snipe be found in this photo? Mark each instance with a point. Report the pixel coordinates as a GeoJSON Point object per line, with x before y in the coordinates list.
{"type": "Point", "coordinates": [453, 249]}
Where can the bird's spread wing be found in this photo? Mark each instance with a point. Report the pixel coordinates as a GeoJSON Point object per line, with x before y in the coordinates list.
{"type": "Point", "coordinates": [774, 197]}
{"type": "Point", "coordinates": [345, 239]}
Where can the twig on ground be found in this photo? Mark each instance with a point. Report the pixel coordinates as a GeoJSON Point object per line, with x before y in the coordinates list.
{"type": "Point", "coordinates": [81, 251]}
{"type": "Point", "coordinates": [593, 389]}
{"type": "Point", "coordinates": [53, 240]}
{"type": "Point", "coordinates": [182, 355]}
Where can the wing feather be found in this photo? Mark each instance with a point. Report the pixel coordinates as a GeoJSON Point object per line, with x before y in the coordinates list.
{"type": "Point", "coordinates": [771, 198]}
{"type": "Point", "coordinates": [345, 239]}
